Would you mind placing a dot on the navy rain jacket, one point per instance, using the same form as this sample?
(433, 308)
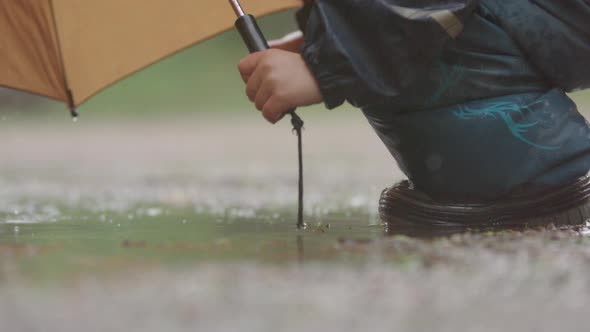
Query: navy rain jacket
(467, 95)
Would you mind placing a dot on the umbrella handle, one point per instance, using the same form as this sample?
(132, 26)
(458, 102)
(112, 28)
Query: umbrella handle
(255, 42)
(251, 33)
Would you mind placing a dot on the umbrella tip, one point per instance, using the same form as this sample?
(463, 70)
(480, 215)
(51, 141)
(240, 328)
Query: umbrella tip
(72, 105)
(74, 112)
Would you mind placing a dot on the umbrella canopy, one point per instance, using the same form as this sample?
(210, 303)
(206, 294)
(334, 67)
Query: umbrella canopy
(69, 50)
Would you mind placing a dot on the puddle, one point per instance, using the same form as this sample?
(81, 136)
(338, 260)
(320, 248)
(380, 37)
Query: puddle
(173, 236)
(86, 242)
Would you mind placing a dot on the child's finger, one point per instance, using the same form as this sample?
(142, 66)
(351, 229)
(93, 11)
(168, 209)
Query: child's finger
(263, 94)
(273, 110)
(247, 65)
(254, 83)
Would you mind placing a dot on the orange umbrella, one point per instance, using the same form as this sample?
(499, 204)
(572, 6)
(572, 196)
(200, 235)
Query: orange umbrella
(70, 50)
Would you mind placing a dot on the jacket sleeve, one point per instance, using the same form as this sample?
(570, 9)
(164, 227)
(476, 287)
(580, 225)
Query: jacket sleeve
(365, 51)
(555, 36)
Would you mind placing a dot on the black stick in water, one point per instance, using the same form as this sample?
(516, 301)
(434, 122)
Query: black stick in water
(255, 41)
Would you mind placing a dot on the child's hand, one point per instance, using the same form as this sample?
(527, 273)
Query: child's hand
(278, 81)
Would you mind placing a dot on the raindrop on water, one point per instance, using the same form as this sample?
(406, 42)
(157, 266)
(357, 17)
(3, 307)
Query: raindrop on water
(154, 212)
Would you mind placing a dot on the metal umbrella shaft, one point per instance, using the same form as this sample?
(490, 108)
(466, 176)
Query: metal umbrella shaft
(255, 41)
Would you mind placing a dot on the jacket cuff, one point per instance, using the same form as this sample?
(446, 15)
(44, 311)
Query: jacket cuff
(332, 72)
(329, 82)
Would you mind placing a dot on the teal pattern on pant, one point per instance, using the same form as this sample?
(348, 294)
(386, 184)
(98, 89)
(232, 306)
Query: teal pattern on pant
(506, 111)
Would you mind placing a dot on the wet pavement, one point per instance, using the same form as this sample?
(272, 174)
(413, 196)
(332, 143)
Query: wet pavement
(188, 223)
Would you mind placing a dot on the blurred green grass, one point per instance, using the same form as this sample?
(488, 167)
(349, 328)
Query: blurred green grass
(202, 78)
(582, 98)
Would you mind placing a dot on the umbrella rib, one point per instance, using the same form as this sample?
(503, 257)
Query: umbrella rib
(70, 96)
